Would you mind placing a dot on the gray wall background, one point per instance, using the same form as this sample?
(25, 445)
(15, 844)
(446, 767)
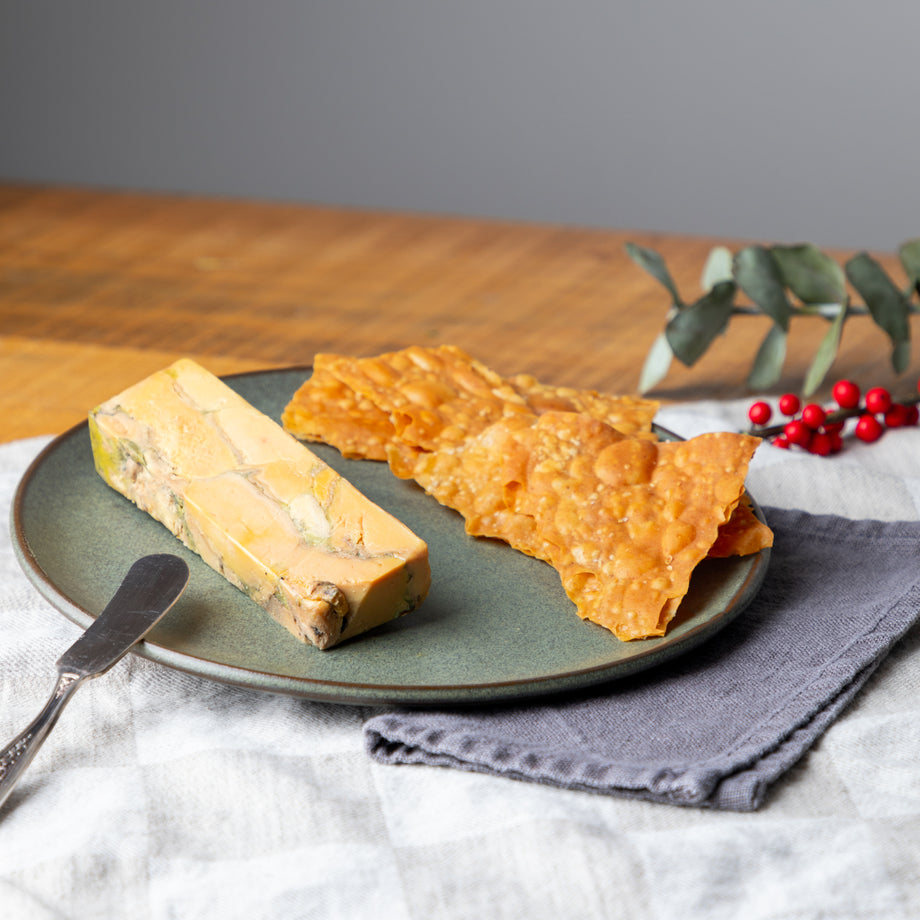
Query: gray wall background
(776, 121)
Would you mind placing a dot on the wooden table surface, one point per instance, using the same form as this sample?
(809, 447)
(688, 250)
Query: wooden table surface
(100, 288)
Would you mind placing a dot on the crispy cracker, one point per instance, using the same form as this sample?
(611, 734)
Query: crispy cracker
(429, 396)
(325, 409)
(422, 396)
(624, 521)
(466, 476)
(742, 535)
(628, 414)
(433, 396)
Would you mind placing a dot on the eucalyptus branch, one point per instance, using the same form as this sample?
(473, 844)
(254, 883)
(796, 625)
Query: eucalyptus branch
(826, 311)
(782, 283)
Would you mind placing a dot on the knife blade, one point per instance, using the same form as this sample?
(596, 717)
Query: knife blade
(151, 587)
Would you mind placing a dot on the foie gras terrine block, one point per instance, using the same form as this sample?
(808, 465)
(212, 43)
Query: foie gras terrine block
(258, 506)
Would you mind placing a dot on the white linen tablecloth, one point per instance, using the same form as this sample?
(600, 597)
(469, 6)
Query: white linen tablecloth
(162, 795)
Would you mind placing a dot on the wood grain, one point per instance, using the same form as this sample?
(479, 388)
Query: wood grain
(98, 288)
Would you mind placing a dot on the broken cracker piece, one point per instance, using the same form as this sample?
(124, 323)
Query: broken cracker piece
(742, 535)
(630, 415)
(431, 395)
(426, 396)
(625, 521)
(327, 410)
(466, 477)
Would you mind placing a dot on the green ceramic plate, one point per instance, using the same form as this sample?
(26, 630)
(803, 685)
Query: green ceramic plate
(496, 625)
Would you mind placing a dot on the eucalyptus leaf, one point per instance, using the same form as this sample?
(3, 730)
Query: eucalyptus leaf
(909, 254)
(718, 268)
(657, 364)
(885, 302)
(760, 278)
(815, 278)
(900, 357)
(768, 365)
(653, 263)
(691, 331)
(826, 353)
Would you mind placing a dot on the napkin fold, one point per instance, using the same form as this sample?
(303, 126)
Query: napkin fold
(719, 725)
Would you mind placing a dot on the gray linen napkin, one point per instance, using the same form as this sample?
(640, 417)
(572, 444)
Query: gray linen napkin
(717, 726)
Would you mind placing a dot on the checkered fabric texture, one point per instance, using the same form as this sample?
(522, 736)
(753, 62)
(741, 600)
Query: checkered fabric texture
(162, 795)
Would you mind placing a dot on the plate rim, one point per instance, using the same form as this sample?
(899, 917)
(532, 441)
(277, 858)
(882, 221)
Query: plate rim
(361, 693)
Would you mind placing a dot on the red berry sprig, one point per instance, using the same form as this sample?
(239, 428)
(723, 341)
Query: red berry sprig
(819, 430)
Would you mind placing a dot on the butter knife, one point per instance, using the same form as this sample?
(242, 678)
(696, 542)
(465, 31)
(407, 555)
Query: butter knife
(153, 584)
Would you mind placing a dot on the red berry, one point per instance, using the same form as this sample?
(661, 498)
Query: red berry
(834, 427)
(896, 416)
(836, 441)
(789, 404)
(797, 432)
(813, 416)
(878, 399)
(868, 429)
(781, 441)
(913, 415)
(846, 394)
(760, 413)
(821, 444)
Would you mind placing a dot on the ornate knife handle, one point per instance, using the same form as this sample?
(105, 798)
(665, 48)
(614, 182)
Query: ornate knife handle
(18, 754)
(153, 584)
